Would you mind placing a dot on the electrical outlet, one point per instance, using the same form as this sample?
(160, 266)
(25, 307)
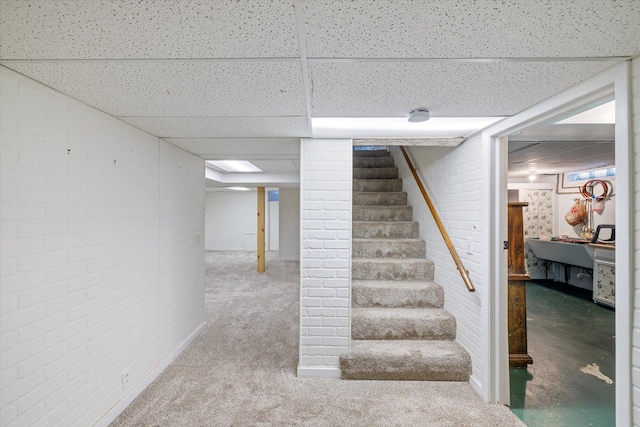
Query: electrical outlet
(125, 379)
(469, 245)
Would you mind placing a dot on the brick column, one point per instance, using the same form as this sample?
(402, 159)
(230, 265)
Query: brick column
(325, 255)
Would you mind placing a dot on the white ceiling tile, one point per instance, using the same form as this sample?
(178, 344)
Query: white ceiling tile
(240, 148)
(559, 168)
(447, 89)
(563, 152)
(280, 166)
(83, 29)
(558, 157)
(571, 132)
(177, 88)
(471, 29)
(230, 127)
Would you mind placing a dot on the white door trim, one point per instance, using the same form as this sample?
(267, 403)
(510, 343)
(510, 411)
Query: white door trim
(614, 81)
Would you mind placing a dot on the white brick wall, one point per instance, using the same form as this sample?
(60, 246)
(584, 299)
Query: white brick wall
(101, 267)
(325, 255)
(635, 356)
(453, 179)
(181, 269)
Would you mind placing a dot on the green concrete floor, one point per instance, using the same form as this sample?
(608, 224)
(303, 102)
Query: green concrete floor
(566, 332)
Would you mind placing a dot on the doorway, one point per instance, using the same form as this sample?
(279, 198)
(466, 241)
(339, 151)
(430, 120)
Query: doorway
(569, 337)
(611, 83)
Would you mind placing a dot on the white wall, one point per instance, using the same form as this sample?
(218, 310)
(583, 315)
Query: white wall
(101, 259)
(561, 205)
(454, 183)
(325, 262)
(289, 227)
(635, 84)
(273, 226)
(181, 258)
(564, 202)
(231, 223)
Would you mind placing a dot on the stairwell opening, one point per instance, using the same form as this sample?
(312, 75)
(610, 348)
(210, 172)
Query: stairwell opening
(399, 328)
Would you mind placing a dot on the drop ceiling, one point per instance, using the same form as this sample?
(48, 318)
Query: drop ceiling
(243, 79)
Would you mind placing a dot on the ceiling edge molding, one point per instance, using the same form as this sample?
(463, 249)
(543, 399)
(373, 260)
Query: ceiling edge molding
(423, 142)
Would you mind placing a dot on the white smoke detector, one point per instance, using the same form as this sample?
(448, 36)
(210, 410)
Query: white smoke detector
(419, 115)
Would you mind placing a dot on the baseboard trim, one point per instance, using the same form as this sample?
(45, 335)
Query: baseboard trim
(475, 385)
(117, 409)
(310, 372)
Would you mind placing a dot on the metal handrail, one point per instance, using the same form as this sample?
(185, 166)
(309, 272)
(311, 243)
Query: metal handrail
(454, 254)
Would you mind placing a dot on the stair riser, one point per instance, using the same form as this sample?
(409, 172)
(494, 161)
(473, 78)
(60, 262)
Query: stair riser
(379, 199)
(377, 185)
(439, 329)
(383, 230)
(409, 368)
(389, 249)
(371, 153)
(373, 162)
(397, 298)
(367, 270)
(375, 173)
(382, 213)
(429, 372)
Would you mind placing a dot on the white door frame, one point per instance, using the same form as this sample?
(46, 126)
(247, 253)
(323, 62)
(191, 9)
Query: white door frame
(614, 81)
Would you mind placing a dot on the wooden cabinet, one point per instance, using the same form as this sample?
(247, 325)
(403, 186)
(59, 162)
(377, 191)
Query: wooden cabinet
(517, 297)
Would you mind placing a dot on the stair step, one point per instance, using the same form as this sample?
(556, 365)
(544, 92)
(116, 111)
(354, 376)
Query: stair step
(379, 293)
(371, 153)
(373, 162)
(384, 229)
(391, 269)
(375, 173)
(390, 185)
(379, 198)
(389, 248)
(406, 360)
(382, 213)
(382, 323)
(399, 328)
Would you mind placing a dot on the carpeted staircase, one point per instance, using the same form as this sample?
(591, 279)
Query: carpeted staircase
(399, 329)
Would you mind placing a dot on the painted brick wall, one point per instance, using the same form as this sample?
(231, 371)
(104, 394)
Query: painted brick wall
(635, 119)
(101, 268)
(181, 247)
(453, 179)
(325, 255)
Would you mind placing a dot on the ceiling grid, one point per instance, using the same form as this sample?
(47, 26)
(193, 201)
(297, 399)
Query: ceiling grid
(206, 75)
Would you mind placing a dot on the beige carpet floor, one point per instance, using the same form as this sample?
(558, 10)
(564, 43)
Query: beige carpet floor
(241, 370)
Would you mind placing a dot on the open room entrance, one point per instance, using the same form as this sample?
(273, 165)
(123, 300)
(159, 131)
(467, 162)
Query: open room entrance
(561, 181)
(230, 219)
(614, 83)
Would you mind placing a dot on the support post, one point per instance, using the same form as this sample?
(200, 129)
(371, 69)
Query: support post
(261, 215)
